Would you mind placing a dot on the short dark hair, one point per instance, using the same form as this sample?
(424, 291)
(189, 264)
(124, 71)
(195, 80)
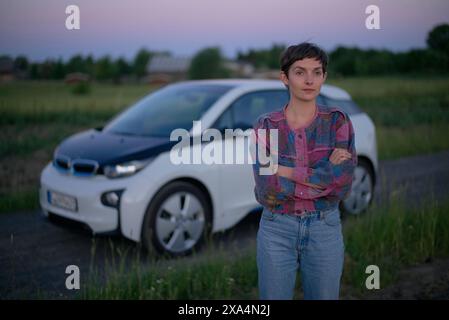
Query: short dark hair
(302, 51)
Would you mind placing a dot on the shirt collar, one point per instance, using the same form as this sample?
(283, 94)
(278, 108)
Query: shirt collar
(280, 114)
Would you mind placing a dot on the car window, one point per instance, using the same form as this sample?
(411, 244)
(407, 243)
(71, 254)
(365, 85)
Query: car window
(225, 121)
(347, 106)
(320, 100)
(175, 106)
(244, 111)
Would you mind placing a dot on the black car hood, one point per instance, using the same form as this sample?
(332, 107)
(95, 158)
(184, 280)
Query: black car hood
(110, 148)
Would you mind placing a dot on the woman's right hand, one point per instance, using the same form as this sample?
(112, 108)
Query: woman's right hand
(339, 155)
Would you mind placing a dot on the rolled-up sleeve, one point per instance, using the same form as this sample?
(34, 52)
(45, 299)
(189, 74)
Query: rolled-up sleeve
(266, 185)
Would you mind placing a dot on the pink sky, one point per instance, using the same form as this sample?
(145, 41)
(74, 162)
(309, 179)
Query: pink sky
(120, 28)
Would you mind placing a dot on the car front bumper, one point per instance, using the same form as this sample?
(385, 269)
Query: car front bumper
(87, 191)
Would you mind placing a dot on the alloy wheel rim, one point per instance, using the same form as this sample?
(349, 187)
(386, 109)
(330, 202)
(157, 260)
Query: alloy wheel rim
(180, 222)
(361, 191)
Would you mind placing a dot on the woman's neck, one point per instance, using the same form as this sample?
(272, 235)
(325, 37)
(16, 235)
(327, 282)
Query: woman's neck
(301, 109)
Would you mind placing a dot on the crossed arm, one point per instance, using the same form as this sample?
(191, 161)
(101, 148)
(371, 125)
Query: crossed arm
(328, 177)
(337, 157)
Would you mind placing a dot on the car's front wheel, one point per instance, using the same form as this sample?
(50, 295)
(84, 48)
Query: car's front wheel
(362, 190)
(178, 220)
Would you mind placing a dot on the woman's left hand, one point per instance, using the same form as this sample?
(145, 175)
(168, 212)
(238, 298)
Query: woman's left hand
(284, 171)
(287, 172)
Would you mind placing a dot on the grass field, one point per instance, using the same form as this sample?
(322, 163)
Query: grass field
(411, 117)
(390, 237)
(35, 117)
(411, 114)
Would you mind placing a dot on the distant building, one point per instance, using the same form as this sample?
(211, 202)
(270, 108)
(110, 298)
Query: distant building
(76, 77)
(165, 69)
(240, 69)
(6, 69)
(267, 74)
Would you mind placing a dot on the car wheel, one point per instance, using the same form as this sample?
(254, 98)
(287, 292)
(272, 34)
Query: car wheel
(177, 220)
(362, 191)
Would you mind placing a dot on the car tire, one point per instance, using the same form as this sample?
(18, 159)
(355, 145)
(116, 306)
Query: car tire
(362, 191)
(177, 221)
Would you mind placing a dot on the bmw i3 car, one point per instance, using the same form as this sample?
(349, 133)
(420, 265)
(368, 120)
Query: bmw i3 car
(121, 178)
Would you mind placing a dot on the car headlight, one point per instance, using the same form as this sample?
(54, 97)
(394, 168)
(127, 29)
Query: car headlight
(125, 169)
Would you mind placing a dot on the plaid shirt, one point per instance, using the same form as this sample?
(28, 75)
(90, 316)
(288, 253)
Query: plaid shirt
(307, 150)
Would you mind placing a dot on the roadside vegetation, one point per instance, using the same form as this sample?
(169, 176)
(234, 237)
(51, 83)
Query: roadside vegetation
(390, 237)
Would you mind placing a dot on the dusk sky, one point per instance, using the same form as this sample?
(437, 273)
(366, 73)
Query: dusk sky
(119, 28)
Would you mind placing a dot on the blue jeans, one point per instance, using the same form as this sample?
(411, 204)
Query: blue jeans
(313, 243)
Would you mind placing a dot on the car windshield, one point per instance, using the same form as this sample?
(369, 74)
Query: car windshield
(175, 106)
(347, 106)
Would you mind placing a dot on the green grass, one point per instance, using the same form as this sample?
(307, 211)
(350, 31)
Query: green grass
(211, 275)
(24, 139)
(49, 102)
(394, 238)
(397, 142)
(401, 102)
(411, 114)
(38, 115)
(411, 117)
(35, 117)
(19, 200)
(390, 237)
(396, 105)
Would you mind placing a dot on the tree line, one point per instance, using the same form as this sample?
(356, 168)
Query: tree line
(353, 61)
(104, 68)
(208, 62)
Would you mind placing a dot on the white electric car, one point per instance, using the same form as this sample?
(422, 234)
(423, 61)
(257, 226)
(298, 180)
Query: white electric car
(120, 178)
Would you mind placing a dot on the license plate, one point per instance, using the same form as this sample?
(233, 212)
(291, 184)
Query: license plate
(62, 201)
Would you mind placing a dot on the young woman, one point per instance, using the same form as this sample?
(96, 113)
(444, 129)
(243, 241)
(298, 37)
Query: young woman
(300, 226)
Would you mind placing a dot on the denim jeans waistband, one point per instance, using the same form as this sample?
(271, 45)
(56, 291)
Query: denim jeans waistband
(308, 213)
